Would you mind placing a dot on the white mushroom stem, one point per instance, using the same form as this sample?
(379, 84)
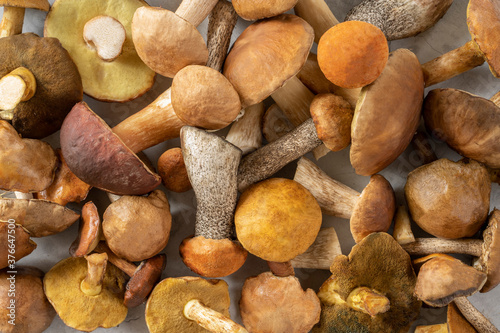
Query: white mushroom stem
(209, 319)
(321, 253)
(16, 87)
(275, 124)
(317, 14)
(106, 35)
(221, 22)
(476, 318)
(91, 285)
(402, 227)
(438, 328)
(195, 11)
(12, 21)
(246, 133)
(426, 246)
(22, 195)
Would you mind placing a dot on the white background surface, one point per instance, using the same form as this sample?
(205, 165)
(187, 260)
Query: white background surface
(449, 33)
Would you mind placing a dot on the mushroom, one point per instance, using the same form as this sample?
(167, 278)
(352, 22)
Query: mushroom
(89, 233)
(172, 171)
(449, 199)
(476, 318)
(455, 322)
(86, 293)
(317, 14)
(483, 19)
(321, 253)
(246, 132)
(15, 244)
(275, 124)
(371, 290)
(119, 80)
(184, 304)
(28, 311)
(212, 163)
(252, 10)
(13, 15)
(402, 227)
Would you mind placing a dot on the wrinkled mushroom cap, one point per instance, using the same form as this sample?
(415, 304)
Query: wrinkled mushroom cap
(251, 10)
(34, 314)
(387, 114)
(278, 304)
(58, 82)
(35, 4)
(449, 199)
(377, 262)
(173, 172)
(266, 55)
(489, 261)
(277, 219)
(121, 80)
(456, 321)
(76, 309)
(23, 244)
(164, 309)
(146, 275)
(468, 123)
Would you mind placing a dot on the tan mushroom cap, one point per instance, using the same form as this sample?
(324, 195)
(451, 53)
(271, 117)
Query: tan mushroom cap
(203, 97)
(78, 310)
(23, 245)
(277, 219)
(251, 10)
(456, 321)
(212, 257)
(278, 304)
(489, 261)
(164, 309)
(137, 228)
(387, 114)
(173, 172)
(267, 54)
(468, 123)
(35, 4)
(166, 42)
(449, 199)
(374, 209)
(483, 20)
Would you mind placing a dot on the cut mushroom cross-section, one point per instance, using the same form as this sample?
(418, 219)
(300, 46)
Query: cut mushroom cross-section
(106, 35)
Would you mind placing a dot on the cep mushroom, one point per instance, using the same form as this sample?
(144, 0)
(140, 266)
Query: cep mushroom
(172, 171)
(13, 15)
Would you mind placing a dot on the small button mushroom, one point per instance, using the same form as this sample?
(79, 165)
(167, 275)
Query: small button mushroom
(15, 243)
(106, 35)
(246, 131)
(33, 312)
(252, 10)
(13, 15)
(172, 171)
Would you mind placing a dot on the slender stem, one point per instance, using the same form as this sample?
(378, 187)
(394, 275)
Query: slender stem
(476, 318)
(12, 21)
(195, 11)
(402, 227)
(281, 269)
(426, 246)
(246, 133)
(209, 319)
(294, 100)
(91, 285)
(317, 14)
(126, 266)
(221, 22)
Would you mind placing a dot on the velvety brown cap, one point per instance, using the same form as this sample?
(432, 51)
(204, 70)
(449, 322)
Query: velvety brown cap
(212, 257)
(172, 171)
(489, 261)
(23, 243)
(36, 4)
(144, 279)
(251, 10)
(266, 55)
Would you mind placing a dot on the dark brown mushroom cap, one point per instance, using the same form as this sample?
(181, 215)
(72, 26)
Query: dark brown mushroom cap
(374, 209)
(387, 114)
(33, 312)
(99, 158)
(483, 20)
(469, 124)
(377, 262)
(456, 321)
(58, 81)
(35, 4)
(489, 261)
(251, 10)
(278, 304)
(14, 240)
(267, 54)
(449, 199)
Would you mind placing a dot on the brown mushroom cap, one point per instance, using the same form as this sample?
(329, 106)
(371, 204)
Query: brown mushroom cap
(89, 233)
(35, 4)
(449, 199)
(489, 262)
(164, 309)
(277, 219)
(374, 209)
(266, 55)
(16, 243)
(377, 262)
(59, 85)
(172, 171)
(483, 20)
(203, 97)
(137, 228)
(99, 158)
(468, 123)
(278, 304)
(457, 323)
(387, 114)
(252, 10)
(33, 312)
(78, 310)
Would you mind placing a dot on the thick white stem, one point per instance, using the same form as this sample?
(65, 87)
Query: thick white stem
(402, 227)
(317, 14)
(210, 319)
(321, 253)
(195, 11)
(246, 133)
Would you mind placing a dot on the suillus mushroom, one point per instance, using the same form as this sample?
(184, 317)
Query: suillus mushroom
(172, 171)
(13, 15)
(476, 318)
(28, 311)
(115, 78)
(449, 199)
(212, 164)
(16, 243)
(246, 132)
(252, 10)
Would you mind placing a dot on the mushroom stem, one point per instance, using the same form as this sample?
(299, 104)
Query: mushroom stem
(221, 22)
(425, 246)
(402, 227)
(12, 21)
(91, 285)
(321, 253)
(317, 14)
(476, 318)
(15, 87)
(461, 59)
(195, 11)
(210, 319)
(22, 195)
(124, 265)
(246, 133)
(275, 124)
(368, 301)
(281, 269)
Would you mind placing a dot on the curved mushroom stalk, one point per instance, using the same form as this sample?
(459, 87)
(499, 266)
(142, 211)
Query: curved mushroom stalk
(317, 14)
(221, 22)
(13, 15)
(476, 318)
(209, 319)
(91, 285)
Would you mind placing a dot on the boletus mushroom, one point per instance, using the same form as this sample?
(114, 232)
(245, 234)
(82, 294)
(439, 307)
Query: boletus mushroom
(252, 10)
(172, 171)
(13, 14)
(16, 243)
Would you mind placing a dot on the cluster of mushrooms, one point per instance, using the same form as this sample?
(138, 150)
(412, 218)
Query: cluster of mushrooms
(238, 119)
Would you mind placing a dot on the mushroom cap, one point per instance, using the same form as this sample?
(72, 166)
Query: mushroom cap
(88, 233)
(35, 4)
(374, 209)
(137, 228)
(277, 219)
(34, 314)
(252, 10)
(377, 262)
(59, 85)
(278, 304)
(173, 172)
(352, 54)
(164, 309)
(266, 55)
(121, 80)
(167, 42)
(203, 97)
(23, 243)
(27, 165)
(387, 114)
(456, 321)
(212, 257)
(443, 278)
(489, 261)
(483, 20)
(468, 123)
(99, 158)
(78, 310)
(449, 199)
